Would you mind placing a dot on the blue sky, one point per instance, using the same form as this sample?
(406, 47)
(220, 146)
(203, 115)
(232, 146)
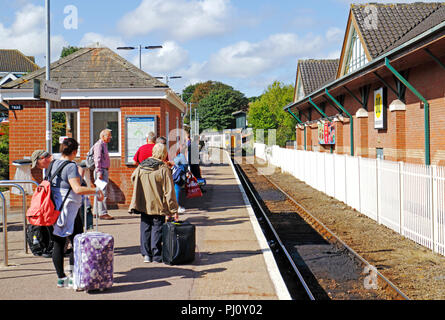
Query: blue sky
(247, 44)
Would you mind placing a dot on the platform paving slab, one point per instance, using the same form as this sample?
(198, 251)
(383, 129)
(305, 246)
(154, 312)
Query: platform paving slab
(229, 264)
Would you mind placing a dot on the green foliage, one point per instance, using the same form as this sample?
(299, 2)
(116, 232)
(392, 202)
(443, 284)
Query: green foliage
(4, 152)
(216, 108)
(188, 92)
(267, 112)
(215, 102)
(66, 51)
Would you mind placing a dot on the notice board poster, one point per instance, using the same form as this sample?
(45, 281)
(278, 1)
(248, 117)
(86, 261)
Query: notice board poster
(136, 131)
(380, 108)
(326, 132)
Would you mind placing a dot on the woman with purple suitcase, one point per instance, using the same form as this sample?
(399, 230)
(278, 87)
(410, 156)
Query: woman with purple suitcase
(67, 194)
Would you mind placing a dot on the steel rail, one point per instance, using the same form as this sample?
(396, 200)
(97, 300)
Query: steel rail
(331, 237)
(283, 248)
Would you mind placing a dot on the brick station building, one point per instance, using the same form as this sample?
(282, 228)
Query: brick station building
(384, 96)
(99, 89)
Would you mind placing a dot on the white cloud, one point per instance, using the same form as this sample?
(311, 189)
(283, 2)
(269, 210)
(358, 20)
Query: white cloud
(92, 39)
(335, 34)
(179, 19)
(163, 61)
(246, 59)
(28, 34)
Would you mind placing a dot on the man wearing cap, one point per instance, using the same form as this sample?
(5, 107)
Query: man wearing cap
(41, 159)
(102, 164)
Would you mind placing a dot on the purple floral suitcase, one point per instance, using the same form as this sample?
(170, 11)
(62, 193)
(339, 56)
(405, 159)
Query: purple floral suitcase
(93, 261)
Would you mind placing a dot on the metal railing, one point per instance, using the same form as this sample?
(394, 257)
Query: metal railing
(14, 183)
(5, 233)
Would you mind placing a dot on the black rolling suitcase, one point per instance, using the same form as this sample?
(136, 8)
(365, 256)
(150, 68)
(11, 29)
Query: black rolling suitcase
(178, 242)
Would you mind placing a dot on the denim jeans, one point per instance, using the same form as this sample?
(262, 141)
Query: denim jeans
(177, 191)
(151, 236)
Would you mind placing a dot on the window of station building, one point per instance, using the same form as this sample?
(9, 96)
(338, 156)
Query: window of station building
(300, 91)
(356, 56)
(106, 119)
(65, 123)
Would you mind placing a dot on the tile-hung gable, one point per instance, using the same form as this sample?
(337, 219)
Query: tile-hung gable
(313, 74)
(374, 29)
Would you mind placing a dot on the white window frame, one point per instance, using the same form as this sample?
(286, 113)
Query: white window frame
(57, 155)
(356, 56)
(300, 89)
(118, 110)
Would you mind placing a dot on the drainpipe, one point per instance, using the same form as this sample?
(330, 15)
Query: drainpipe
(300, 122)
(351, 120)
(426, 108)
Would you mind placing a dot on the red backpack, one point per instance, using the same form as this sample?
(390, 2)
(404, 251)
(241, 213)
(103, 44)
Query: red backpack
(42, 211)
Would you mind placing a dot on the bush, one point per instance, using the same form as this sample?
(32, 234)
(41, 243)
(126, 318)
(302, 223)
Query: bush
(4, 151)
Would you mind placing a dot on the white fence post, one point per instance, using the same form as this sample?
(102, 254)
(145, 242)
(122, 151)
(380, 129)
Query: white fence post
(401, 185)
(434, 206)
(377, 189)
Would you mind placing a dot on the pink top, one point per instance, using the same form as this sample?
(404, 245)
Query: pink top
(101, 157)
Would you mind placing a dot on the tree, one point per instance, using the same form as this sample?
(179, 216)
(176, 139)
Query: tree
(4, 151)
(215, 102)
(188, 92)
(216, 108)
(66, 51)
(267, 112)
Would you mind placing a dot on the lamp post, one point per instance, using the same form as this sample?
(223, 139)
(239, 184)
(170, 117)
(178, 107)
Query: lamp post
(48, 135)
(140, 47)
(167, 78)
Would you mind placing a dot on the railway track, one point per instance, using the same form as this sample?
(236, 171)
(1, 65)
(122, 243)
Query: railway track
(315, 263)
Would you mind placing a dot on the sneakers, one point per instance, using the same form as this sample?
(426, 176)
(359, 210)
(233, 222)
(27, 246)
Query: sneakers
(181, 209)
(62, 282)
(66, 282)
(147, 259)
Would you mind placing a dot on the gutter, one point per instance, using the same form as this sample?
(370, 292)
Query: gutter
(378, 60)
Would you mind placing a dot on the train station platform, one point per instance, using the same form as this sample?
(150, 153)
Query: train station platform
(233, 261)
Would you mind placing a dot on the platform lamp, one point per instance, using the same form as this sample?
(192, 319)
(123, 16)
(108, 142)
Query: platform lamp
(167, 78)
(140, 47)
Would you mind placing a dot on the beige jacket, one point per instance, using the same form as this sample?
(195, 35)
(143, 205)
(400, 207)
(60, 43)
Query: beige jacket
(153, 189)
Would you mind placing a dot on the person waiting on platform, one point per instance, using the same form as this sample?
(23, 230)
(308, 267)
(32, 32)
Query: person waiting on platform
(163, 140)
(193, 157)
(145, 151)
(102, 165)
(181, 162)
(154, 199)
(67, 185)
(41, 159)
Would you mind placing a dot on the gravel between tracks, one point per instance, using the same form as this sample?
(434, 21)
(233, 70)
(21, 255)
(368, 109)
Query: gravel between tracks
(414, 269)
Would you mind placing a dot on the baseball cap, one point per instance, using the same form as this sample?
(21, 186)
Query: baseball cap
(36, 155)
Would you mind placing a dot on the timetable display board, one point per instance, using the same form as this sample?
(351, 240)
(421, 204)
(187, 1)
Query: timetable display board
(136, 131)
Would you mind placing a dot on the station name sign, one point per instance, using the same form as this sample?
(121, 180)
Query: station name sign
(47, 90)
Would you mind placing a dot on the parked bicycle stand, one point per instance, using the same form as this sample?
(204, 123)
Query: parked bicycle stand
(14, 183)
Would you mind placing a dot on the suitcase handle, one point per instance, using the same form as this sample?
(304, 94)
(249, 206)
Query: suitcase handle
(85, 212)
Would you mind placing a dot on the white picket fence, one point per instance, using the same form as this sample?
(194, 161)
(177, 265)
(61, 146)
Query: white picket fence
(407, 198)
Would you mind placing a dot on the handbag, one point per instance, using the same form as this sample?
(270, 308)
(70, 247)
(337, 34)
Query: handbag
(192, 188)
